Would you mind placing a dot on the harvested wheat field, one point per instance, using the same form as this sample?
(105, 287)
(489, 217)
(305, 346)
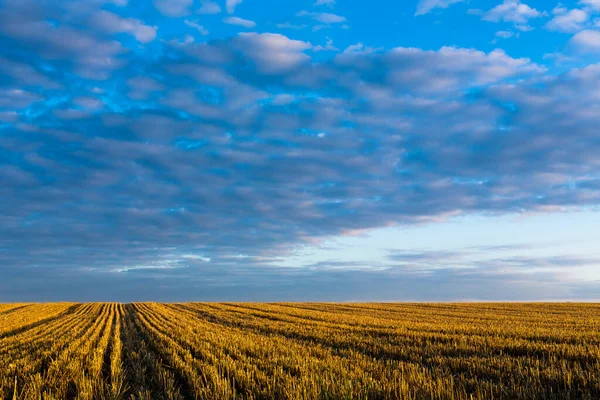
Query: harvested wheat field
(299, 351)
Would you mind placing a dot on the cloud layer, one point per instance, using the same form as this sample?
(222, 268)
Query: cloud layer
(127, 156)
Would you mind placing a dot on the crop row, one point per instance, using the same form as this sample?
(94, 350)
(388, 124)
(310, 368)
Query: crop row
(299, 351)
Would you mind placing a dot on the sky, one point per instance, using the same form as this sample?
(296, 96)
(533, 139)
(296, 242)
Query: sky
(322, 150)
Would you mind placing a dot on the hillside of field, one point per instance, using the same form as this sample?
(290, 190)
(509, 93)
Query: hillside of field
(299, 351)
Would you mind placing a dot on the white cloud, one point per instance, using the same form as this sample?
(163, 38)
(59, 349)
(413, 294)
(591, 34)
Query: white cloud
(524, 27)
(354, 47)
(595, 4)
(17, 98)
(587, 41)
(25, 74)
(195, 257)
(272, 52)
(324, 18)
(246, 23)
(8, 116)
(209, 7)
(287, 25)
(113, 23)
(442, 71)
(329, 3)
(359, 48)
(89, 103)
(475, 11)
(506, 34)
(328, 46)
(567, 20)
(196, 26)
(512, 11)
(173, 8)
(144, 83)
(283, 99)
(231, 4)
(426, 6)
(558, 57)
(157, 266)
(141, 87)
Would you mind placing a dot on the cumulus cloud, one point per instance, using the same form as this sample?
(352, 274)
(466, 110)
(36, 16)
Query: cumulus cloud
(559, 57)
(25, 22)
(595, 4)
(506, 34)
(587, 41)
(240, 22)
(209, 7)
(113, 23)
(449, 68)
(329, 3)
(25, 74)
(569, 21)
(173, 8)
(513, 11)
(328, 46)
(231, 5)
(297, 194)
(426, 6)
(288, 25)
(17, 98)
(272, 52)
(89, 103)
(324, 18)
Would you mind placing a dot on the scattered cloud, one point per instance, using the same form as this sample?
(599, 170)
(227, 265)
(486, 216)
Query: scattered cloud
(113, 23)
(273, 53)
(513, 11)
(507, 34)
(231, 5)
(569, 21)
(173, 8)
(358, 47)
(25, 74)
(475, 11)
(329, 3)
(94, 57)
(142, 87)
(288, 25)
(594, 4)
(426, 6)
(324, 18)
(197, 26)
(209, 7)
(283, 99)
(559, 57)
(587, 41)
(17, 98)
(328, 46)
(246, 23)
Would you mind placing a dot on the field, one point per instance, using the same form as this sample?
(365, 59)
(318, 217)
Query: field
(299, 351)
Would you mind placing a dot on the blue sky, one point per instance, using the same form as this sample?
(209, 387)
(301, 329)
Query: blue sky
(299, 150)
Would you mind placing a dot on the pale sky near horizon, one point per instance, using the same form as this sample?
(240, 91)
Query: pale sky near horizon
(313, 150)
